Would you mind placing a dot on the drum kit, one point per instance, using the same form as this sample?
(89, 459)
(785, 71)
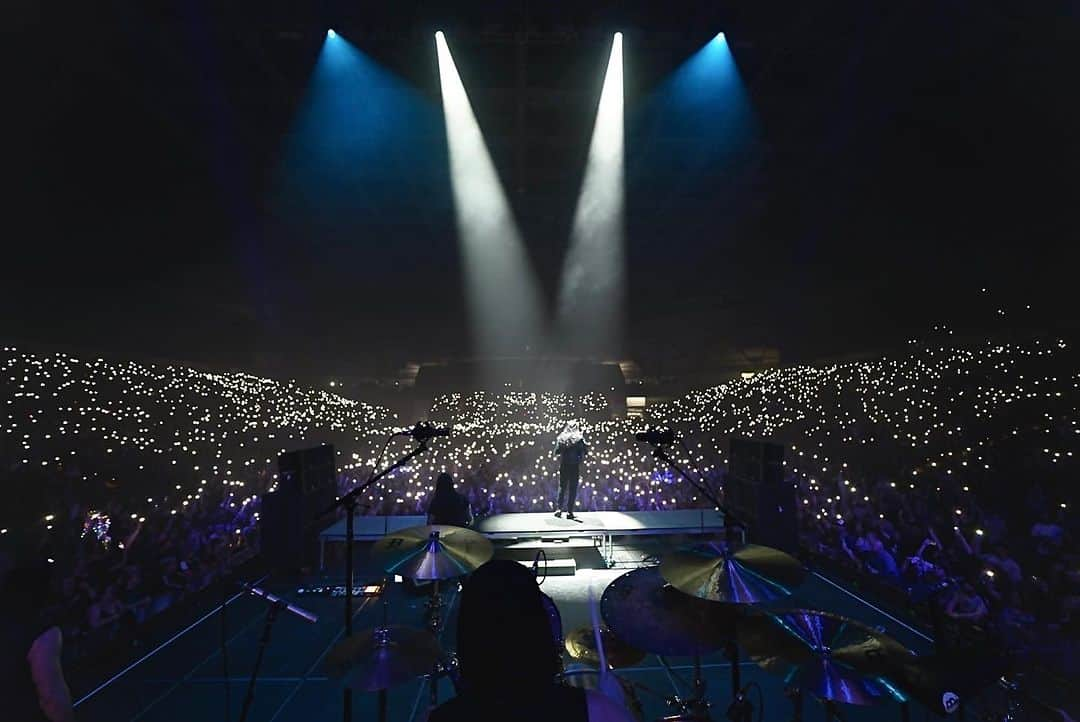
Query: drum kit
(697, 601)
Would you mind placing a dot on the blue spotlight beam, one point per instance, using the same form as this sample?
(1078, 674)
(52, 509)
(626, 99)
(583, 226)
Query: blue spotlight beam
(694, 122)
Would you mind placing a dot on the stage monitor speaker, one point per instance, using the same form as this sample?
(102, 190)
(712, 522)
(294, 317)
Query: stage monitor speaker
(291, 517)
(755, 490)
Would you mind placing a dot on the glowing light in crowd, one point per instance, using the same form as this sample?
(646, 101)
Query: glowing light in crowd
(501, 290)
(168, 438)
(592, 292)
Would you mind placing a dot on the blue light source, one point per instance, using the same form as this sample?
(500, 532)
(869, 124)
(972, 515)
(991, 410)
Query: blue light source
(361, 141)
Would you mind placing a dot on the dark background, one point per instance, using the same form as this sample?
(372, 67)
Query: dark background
(904, 156)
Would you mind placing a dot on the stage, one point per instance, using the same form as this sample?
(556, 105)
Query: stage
(184, 675)
(601, 526)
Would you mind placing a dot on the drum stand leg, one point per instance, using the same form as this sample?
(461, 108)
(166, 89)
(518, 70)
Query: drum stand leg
(733, 658)
(795, 695)
(832, 710)
(434, 622)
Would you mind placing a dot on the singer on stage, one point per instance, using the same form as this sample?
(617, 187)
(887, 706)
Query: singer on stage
(571, 448)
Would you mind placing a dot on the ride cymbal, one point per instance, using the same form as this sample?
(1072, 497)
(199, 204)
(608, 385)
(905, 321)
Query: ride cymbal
(647, 613)
(745, 574)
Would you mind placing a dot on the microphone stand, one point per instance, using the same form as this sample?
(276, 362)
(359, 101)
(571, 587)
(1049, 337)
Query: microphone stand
(349, 504)
(731, 536)
(275, 606)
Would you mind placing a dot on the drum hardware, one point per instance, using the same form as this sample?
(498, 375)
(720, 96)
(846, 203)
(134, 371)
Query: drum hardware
(349, 503)
(832, 657)
(275, 606)
(587, 678)
(795, 696)
(1014, 707)
(383, 657)
(580, 645)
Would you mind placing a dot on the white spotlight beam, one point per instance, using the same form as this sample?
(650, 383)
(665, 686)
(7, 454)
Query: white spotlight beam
(502, 291)
(592, 289)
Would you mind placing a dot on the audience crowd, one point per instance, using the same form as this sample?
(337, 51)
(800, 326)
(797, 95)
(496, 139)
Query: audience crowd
(943, 476)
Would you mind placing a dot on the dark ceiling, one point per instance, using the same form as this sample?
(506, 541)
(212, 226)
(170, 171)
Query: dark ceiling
(907, 155)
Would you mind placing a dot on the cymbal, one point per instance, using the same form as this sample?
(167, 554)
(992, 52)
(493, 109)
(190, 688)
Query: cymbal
(439, 551)
(648, 613)
(827, 655)
(581, 646)
(744, 574)
(383, 657)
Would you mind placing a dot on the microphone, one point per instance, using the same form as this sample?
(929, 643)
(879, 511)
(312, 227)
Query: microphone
(284, 604)
(424, 430)
(657, 437)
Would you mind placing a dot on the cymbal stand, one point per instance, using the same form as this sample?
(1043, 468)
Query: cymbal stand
(382, 634)
(795, 694)
(434, 623)
(264, 640)
(832, 710)
(695, 704)
(349, 504)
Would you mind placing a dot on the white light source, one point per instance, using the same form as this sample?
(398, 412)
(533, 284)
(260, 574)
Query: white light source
(502, 293)
(592, 290)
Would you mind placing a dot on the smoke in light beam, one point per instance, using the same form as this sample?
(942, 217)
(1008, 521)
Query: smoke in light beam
(592, 291)
(501, 289)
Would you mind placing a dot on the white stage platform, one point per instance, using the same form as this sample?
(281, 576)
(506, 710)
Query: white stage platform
(602, 526)
(599, 523)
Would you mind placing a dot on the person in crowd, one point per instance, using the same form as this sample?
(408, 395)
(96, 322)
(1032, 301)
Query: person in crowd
(447, 505)
(571, 450)
(875, 556)
(966, 604)
(509, 657)
(1004, 564)
(32, 683)
(924, 566)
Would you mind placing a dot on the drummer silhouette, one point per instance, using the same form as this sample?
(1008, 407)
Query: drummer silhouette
(509, 658)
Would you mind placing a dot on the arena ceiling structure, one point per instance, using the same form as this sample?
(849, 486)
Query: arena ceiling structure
(195, 182)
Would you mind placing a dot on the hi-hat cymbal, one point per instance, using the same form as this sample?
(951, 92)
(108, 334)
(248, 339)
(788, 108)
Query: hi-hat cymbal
(581, 646)
(827, 655)
(648, 613)
(439, 551)
(383, 657)
(744, 574)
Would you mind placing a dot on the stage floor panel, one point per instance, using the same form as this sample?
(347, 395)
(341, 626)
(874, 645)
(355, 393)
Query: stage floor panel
(602, 523)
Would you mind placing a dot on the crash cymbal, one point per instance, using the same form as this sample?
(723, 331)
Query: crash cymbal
(439, 551)
(581, 646)
(383, 657)
(744, 574)
(826, 655)
(648, 613)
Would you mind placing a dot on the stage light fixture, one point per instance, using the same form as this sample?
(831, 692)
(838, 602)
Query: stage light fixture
(331, 34)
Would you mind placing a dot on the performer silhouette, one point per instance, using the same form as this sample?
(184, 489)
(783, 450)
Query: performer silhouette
(571, 448)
